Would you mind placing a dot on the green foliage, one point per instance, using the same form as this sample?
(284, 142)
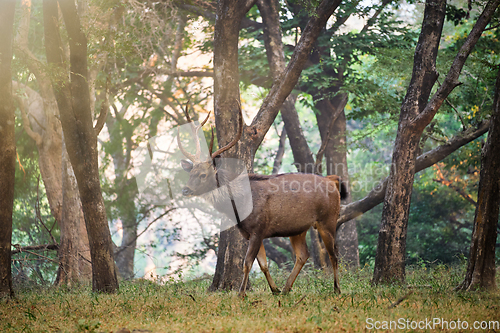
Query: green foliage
(455, 14)
(440, 223)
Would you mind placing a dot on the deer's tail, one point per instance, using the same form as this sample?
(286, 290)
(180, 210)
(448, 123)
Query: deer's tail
(340, 185)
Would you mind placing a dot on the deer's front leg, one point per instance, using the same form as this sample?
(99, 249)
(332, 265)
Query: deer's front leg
(253, 249)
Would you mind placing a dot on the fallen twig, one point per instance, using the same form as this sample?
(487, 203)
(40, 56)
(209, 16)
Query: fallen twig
(393, 305)
(300, 300)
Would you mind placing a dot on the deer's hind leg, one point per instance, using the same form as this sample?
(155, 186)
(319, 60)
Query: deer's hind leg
(328, 238)
(262, 259)
(301, 254)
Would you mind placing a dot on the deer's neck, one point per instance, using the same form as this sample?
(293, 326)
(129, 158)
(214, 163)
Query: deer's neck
(229, 187)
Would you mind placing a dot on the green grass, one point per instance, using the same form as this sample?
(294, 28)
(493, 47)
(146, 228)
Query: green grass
(310, 307)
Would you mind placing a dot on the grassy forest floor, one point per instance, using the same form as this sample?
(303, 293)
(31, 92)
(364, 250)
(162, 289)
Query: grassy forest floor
(311, 306)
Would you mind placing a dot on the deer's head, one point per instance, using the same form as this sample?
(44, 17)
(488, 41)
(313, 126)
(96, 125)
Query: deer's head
(203, 174)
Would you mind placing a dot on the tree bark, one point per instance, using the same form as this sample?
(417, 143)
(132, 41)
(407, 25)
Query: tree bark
(73, 99)
(416, 114)
(481, 262)
(303, 157)
(7, 146)
(41, 121)
(391, 249)
(74, 251)
(232, 246)
(336, 164)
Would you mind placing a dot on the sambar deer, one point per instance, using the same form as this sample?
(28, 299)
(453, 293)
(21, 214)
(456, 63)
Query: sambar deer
(284, 205)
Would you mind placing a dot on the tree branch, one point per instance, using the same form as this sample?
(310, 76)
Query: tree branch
(321, 151)
(281, 89)
(451, 80)
(20, 249)
(456, 189)
(101, 120)
(376, 196)
(372, 19)
(26, 122)
(281, 151)
(245, 22)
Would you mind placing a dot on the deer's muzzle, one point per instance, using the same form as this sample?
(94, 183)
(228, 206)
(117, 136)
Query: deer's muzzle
(187, 192)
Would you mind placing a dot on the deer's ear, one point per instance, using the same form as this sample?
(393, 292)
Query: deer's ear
(187, 165)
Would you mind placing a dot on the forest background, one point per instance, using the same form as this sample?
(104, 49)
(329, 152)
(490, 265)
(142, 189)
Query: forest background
(148, 60)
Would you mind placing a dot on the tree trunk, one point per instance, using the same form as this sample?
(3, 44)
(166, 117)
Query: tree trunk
(230, 258)
(391, 249)
(73, 99)
(127, 192)
(7, 146)
(41, 122)
(303, 158)
(481, 263)
(232, 245)
(125, 257)
(74, 252)
(336, 164)
(416, 113)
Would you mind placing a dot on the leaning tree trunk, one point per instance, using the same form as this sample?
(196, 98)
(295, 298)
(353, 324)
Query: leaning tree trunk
(73, 99)
(391, 249)
(481, 263)
(303, 157)
(416, 113)
(7, 146)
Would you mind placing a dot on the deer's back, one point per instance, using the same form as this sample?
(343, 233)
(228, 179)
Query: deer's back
(288, 204)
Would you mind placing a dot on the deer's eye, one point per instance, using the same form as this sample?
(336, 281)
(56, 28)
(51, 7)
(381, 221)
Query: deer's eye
(203, 176)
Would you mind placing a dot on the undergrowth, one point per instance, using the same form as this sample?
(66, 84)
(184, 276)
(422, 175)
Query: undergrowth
(312, 306)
